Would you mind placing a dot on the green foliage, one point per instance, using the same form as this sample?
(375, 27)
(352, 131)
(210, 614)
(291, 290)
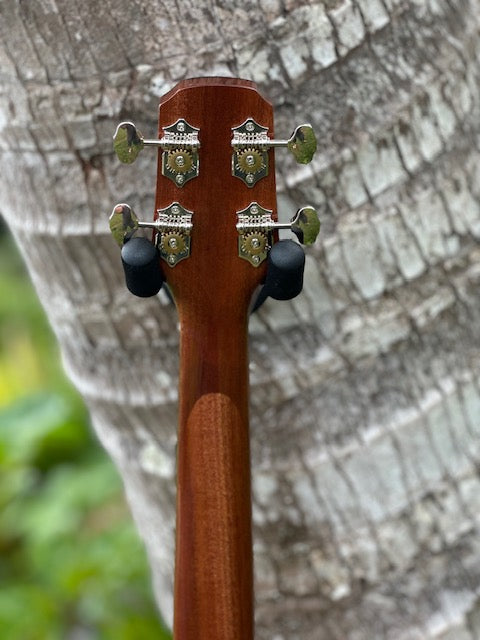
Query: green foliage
(71, 563)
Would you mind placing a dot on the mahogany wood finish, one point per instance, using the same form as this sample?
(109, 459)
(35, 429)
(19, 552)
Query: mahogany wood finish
(213, 290)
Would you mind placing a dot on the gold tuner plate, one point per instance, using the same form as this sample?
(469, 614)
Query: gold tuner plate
(254, 224)
(249, 158)
(180, 152)
(174, 225)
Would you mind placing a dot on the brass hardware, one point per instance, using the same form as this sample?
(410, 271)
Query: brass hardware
(250, 144)
(180, 152)
(173, 226)
(249, 159)
(255, 225)
(179, 144)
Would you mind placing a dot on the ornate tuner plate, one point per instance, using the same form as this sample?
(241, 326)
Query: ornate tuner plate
(180, 152)
(174, 224)
(249, 160)
(254, 224)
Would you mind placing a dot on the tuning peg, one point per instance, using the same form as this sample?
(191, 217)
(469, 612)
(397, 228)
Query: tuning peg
(302, 144)
(254, 225)
(305, 224)
(173, 226)
(124, 223)
(128, 142)
(140, 257)
(250, 144)
(179, 145)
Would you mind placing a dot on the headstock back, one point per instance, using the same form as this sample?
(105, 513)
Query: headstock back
(215, 215)
(214, 278)
(214, 242)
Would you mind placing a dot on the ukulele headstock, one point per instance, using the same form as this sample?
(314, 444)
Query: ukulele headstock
(215, 218)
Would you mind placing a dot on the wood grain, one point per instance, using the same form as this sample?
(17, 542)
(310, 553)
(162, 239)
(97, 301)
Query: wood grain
(212, 290)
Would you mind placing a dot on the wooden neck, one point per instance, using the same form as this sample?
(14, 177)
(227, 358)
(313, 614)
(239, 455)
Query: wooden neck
(215, 209)
(213, 289)
(213, 573)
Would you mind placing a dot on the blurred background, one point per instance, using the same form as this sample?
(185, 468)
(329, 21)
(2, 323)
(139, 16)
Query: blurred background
(71, 564)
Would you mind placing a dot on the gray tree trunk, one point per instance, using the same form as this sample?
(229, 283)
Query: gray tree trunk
(365, 389)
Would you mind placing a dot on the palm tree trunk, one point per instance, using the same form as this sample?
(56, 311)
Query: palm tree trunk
(365, 398)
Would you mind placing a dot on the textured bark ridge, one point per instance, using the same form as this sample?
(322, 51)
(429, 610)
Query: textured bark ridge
(365, 398)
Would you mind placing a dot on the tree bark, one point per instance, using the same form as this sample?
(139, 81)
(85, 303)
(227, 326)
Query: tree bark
(365, 403)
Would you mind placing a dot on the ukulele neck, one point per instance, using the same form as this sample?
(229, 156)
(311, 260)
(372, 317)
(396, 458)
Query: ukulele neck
(214, 243)
(213, 576)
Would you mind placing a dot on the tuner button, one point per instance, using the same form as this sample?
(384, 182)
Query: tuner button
(141, 264)
(305, 224)
(302, 144)
(123, 223)
(127, 142)
(286, 262)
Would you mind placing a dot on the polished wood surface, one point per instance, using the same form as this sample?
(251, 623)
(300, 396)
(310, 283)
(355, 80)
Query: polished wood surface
(213, 290)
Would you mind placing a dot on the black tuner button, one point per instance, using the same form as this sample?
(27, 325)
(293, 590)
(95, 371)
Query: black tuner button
(141, 264)
(285, 266)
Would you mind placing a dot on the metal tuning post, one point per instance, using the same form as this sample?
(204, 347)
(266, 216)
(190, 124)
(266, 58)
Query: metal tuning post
(179, 144)
(255, 225)
(173, 227)
(251, 143)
